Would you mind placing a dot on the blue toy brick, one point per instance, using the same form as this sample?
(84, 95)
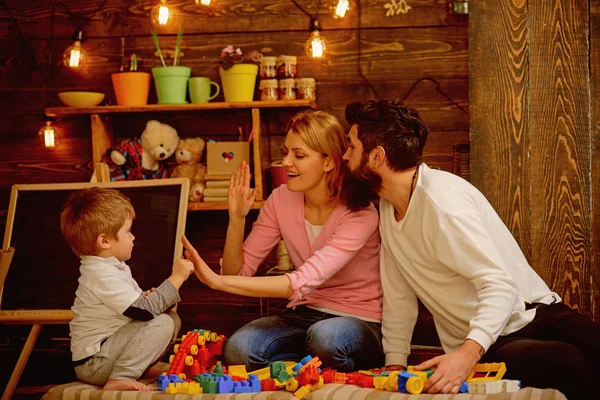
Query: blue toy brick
(254, 383)
(224, 384)
(464, 388)
(402, 378)
(241, 387)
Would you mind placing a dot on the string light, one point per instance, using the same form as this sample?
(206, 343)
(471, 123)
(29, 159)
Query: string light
(74, 55)
(48, 135)
(203, 2)
(340, 10)
(161, 15)
(316, 45)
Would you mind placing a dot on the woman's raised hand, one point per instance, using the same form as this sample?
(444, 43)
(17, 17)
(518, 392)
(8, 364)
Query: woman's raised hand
(240, 197)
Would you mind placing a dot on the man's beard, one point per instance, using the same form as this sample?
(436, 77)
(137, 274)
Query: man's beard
(360, 187)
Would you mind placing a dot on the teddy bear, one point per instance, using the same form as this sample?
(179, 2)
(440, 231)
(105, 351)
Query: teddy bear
(143, 157)
(188, 156)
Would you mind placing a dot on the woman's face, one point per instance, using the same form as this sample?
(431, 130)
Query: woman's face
(305, 167)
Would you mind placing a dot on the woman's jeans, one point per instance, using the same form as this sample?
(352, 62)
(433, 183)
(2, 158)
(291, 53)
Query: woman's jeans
(342, 343)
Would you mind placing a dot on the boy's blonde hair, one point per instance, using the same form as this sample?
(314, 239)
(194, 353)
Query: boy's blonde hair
(88, 213)
(323, 133)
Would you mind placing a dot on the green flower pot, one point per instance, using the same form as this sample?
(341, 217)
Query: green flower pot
(171, 84)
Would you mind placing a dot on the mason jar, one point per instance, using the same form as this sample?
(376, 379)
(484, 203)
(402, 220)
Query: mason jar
(286, 67)
(287, 89)
(307, 88)
(268, 89)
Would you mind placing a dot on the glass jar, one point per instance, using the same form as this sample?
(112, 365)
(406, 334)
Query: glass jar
(268, 68)
(307, 88)
(286, 67)
(268, 89)
(287, 89)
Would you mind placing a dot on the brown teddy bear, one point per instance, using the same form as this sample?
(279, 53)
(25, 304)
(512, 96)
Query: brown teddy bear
(188, 156)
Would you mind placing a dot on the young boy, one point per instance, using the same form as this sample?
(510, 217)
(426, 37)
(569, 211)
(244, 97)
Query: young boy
(117, 331)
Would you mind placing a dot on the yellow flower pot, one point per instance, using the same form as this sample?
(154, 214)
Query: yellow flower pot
(238, 82)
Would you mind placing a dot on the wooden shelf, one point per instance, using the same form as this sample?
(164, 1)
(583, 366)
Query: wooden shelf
(60, 111)
(102, 133)
(218, 206)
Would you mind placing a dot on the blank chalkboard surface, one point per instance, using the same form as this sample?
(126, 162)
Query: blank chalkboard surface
(44, 270)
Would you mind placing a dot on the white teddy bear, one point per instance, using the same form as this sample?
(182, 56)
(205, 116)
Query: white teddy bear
(142, 158)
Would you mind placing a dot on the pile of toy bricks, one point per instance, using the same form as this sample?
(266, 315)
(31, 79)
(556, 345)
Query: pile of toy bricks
(197, 357)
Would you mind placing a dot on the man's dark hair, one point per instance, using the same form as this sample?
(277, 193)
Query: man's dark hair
(386, 123)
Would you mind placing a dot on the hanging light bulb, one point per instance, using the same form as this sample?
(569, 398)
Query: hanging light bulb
(48, 135)
(316, 45)
(74, 55)
(203, 2)
(161, 15)
(340, 10)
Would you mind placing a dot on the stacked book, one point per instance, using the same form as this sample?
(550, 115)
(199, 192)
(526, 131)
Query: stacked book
(216, 188)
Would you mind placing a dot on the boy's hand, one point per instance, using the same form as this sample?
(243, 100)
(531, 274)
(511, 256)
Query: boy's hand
(202, 270)
(182, 269)
(147, 292)
(240, 197)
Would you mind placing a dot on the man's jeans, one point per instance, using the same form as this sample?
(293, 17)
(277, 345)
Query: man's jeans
(342, 343)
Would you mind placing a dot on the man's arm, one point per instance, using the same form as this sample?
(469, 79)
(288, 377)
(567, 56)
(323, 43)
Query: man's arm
(463, 244)
(400, 312)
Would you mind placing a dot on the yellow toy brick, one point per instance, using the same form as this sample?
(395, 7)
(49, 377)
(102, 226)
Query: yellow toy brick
(171, 389)
(420, 374)
(320, 384)
(487, 372)
(238, 370)
(262, 374)
(291, 385)
(379, 382)
(391, 383)
(303, 391)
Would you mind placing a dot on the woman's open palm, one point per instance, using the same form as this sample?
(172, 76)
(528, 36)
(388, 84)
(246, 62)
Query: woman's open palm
(240, 197)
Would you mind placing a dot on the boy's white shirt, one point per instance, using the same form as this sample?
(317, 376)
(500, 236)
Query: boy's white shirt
(459, 258)
(106, 289)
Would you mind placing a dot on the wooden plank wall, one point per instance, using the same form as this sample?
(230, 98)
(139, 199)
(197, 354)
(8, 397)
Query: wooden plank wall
(595, 132)
(398, 50)
(531, 134)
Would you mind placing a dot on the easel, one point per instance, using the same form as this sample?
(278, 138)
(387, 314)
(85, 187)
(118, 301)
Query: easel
(37, 318)
(178, 191)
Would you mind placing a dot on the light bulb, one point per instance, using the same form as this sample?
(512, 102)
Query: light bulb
(203, 2)
(316, 46)
(47, 135)
(74, 56)
(161, 15)
(340, 10)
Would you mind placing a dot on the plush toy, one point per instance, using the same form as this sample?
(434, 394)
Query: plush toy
(142, 158)
(188, 156)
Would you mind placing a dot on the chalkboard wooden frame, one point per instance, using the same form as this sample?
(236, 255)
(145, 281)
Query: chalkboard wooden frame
(146, 196)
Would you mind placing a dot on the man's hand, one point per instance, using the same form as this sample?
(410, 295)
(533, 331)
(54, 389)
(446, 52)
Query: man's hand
(451, 370)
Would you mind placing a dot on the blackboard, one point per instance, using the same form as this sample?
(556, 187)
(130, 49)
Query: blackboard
(44, 270)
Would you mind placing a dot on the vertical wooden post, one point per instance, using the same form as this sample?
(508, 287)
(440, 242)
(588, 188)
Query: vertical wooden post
(256, 140)
(531, 133)
(102, 136)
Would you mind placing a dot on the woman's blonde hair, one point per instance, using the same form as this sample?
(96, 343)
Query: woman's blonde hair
(323, 133)
(88, 213)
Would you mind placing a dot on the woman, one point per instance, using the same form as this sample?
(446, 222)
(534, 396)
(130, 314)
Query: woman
(335, 293)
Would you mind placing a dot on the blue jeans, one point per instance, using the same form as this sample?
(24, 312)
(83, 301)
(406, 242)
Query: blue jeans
(342, 343)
